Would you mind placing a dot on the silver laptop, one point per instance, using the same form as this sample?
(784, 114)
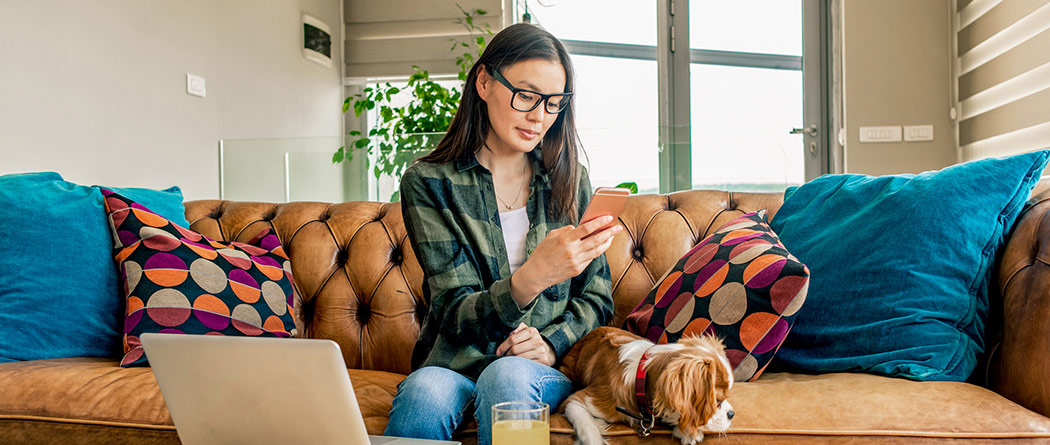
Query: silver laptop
(250, 390)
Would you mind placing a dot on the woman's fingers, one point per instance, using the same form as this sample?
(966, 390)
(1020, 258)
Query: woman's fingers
(523, 341)
(511, 339)
(602, 237)
(590, 226)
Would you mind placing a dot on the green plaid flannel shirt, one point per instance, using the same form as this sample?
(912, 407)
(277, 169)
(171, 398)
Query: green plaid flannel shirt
(453, 223)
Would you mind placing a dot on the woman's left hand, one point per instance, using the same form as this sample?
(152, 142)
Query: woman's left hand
(526, 342)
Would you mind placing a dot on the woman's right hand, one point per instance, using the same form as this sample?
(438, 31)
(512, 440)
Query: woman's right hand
(564, 253)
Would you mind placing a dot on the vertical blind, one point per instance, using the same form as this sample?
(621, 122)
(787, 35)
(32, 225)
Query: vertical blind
(1002, 69)
(385, 38)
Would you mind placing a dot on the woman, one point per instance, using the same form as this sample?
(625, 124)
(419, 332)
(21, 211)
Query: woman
(491, 215)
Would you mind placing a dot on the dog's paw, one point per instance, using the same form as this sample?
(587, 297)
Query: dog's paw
(687, 440)
(589, 439)
(588, 428)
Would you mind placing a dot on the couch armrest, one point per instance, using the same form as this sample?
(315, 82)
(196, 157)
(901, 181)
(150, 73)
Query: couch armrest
(1020, 365)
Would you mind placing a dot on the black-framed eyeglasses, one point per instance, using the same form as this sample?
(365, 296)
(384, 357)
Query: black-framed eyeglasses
(527, 100)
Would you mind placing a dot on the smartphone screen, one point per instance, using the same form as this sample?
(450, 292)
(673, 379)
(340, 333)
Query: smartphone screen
(606, 201)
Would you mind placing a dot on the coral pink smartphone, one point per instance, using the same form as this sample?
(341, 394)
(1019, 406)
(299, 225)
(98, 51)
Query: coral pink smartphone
(606, 201)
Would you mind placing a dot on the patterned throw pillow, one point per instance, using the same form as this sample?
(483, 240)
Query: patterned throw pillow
(179, 281)
(739, 284)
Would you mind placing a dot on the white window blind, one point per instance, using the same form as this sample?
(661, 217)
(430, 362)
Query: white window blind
(385, 38)
(1003, 76)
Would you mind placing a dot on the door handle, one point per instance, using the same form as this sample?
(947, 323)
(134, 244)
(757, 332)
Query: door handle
(811, 130)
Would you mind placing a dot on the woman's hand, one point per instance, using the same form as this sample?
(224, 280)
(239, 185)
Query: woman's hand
(564, 253)
(526, 342)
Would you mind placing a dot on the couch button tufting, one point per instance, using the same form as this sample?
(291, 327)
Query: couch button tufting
(637, 253)
(363, 313)
(396, 256)
(341, 257)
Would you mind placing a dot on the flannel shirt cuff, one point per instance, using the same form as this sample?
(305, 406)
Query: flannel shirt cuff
(557, 339)
(507, 309)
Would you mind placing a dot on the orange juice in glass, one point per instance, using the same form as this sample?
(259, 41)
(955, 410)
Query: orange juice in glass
(521, 423)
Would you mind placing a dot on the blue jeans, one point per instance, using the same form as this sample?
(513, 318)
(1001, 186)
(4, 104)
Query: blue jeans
(432, 401)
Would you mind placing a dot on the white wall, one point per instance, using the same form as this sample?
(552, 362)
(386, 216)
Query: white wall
(96, 90)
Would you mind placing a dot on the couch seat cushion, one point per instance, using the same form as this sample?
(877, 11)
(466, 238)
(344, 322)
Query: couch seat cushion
(93, 392)
(854, 406)
(870, 405)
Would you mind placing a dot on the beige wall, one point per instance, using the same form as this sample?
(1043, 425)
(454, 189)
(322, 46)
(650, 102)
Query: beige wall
(96, 90)
(896, 72)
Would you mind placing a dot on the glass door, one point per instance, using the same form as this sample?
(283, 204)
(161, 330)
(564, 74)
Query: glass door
(613, 49)
(746, 94)
(750, 116)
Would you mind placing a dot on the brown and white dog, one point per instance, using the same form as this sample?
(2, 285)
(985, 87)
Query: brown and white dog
(683, 384)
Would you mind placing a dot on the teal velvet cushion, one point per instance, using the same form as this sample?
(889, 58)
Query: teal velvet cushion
(901, 266)
(59, 288)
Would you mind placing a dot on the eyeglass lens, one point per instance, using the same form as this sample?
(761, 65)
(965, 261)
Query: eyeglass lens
(526, 101)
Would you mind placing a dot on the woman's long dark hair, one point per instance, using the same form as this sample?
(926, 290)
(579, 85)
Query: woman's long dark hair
(560, 146)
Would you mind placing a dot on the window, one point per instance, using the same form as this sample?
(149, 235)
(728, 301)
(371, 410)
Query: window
(615, 101)
(745, 91)
(746, 94)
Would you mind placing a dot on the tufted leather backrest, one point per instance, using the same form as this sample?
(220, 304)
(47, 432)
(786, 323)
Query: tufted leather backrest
(358, 281)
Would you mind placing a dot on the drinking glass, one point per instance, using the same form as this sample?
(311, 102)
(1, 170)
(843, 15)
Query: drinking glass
(521, 423)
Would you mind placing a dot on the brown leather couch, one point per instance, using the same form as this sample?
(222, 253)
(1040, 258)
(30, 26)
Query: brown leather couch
(360, 285)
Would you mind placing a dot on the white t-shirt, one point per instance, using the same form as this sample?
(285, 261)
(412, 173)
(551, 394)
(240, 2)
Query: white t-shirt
(515, 227)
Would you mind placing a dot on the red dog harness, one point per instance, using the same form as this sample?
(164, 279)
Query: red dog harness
(645, 415)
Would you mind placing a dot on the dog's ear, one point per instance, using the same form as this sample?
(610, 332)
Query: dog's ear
(686, 388)
(706, 391)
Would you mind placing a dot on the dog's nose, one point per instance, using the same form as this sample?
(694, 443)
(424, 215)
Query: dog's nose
(730, 414)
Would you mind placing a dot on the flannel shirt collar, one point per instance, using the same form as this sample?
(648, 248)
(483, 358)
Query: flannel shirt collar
(469, 161)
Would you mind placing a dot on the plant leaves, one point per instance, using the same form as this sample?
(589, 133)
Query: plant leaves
(338, 156)
(632, 186)
(400, 134)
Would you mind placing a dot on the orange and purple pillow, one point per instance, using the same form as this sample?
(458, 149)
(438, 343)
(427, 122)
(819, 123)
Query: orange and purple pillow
(739, 284)
(178, 281)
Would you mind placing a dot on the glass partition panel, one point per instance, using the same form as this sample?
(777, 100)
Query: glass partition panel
(288, 169)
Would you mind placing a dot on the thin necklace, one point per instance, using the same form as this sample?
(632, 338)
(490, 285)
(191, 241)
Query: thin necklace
(524, 176)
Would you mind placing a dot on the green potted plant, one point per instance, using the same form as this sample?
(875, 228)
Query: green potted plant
(401, 134)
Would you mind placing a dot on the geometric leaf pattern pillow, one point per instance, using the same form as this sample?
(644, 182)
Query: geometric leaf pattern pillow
(179, 281)
(739, 284)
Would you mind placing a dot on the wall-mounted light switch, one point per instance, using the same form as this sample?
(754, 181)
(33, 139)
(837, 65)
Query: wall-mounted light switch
(880, 134)
(914, 133)
(195, 85)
